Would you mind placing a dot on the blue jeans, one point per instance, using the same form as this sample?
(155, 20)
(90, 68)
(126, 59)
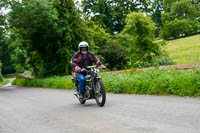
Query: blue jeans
(81, 82)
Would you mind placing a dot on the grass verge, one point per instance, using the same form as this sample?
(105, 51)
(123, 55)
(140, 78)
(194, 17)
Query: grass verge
(52, 82)
(5, 81)
(155, 82)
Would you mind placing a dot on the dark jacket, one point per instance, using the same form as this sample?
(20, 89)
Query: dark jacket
(78, 59)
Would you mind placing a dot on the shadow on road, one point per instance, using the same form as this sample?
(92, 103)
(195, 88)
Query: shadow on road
(91, 104)
(7, 89)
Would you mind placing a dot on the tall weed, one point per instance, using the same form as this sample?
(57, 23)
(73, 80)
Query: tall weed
(155, 82)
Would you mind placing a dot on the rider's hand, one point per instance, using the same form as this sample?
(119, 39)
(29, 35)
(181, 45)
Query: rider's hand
(83, 70)
(102, 66)
(77, 69)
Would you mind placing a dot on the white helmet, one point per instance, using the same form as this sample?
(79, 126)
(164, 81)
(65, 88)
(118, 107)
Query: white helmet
(83, 45)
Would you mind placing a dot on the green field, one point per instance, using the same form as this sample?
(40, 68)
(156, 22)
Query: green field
(184, 50)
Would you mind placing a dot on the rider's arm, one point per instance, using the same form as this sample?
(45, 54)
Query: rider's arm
(73, 62)
(95, 60)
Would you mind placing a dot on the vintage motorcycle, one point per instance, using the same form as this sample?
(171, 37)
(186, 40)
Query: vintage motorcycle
(94, 86)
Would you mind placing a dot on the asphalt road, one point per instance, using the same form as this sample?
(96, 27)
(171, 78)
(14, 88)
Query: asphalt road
(39, 110)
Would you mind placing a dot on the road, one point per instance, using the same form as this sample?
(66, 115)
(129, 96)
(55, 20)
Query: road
(40, 110)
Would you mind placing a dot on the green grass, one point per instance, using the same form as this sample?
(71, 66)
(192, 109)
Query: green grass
(52, 82)
(184, 50)
(5, 81)
(155, 82)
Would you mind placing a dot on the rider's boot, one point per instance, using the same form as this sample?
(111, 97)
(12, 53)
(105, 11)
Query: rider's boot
(81, 95)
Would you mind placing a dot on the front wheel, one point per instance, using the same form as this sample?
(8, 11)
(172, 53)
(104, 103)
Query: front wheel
(100, 93)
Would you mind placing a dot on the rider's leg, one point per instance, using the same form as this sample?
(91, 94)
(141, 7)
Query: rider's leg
(81, 83)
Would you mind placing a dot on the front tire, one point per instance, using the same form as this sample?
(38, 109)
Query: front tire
(100, 93)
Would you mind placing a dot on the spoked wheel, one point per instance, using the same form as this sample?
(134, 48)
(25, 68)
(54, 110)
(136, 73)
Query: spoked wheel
(100, 93)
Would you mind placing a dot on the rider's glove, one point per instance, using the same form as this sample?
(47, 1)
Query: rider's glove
(102, 66)
(77, 69)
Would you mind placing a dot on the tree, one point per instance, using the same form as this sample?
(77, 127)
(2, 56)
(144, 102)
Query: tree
(157, 9)
(49, 32)
(167, 4)
(7, 63)
(180, 27)
(96, 36)
(18, 53)
(111, 14)
(180, 19)
(138, 35)
(184, 9)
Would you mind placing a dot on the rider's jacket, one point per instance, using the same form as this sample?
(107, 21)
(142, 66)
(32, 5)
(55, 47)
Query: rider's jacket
(84, 60)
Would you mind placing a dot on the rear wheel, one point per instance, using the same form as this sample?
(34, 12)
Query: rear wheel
(100, 93)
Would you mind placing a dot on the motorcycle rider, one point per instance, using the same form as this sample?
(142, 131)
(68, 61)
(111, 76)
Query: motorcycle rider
(82, 59)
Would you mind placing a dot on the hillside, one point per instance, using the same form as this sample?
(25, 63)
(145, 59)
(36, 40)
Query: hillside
(184, 50)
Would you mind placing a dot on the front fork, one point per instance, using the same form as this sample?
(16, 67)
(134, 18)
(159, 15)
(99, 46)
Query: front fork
(94, 83)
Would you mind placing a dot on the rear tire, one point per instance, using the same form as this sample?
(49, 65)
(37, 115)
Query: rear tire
(100, 93)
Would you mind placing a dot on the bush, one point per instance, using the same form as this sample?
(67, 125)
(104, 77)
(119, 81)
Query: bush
(115, 55)
(19, 68)
(53, 82)
(180, 18)
(180, 27)
(155, 82)
(138, 35)
(161, 60)
(171, 82)
(4, 81)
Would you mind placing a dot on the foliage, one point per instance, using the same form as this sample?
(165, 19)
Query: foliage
(138, 35)
(180, 27)
(48, 31)
(4, 81)
(162, 60)
(180, 19)
(157, 9)
(111, 14)
(167, 4)
(154, 82)
(42, 35)
(5, 57)
(96, 36)
(184, 9)
(115, 55)
(53, 82)
(7, 64)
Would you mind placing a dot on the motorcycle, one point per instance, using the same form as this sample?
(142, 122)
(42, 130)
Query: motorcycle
(94, 86)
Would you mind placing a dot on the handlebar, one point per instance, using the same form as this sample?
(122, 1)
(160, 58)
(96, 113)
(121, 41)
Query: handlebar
(91, 67)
